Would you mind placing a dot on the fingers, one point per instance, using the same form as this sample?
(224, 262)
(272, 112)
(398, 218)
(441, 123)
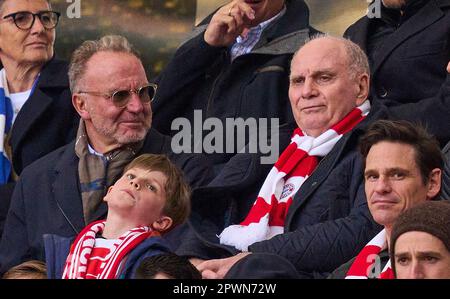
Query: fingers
(242, 13)
(196, 261)
(228, 23)
(244, 10)
(208, 274)
(209, 265)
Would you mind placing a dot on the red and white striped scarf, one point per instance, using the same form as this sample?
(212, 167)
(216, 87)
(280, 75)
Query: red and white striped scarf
(364, 262)
(80, 252)
(297, 162)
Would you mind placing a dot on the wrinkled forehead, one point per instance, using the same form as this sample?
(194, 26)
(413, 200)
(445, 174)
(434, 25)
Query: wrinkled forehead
(318, 62)
(114, 70)
(321, 53)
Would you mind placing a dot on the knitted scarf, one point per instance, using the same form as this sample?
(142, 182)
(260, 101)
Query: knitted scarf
(96, 173)
(79, 256)
(297, 162)
(6, 116)
(364, 262)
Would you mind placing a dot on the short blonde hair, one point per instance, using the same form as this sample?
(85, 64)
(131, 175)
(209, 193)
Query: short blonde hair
(108, 43)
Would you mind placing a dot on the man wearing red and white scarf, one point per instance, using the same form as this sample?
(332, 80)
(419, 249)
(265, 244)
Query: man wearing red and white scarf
(308, 210)
(403, 166)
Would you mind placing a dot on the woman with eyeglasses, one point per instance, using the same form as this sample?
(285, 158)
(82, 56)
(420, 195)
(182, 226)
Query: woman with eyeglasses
(36, 113)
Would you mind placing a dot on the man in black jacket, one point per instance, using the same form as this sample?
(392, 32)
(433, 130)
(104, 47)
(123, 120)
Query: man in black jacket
(236, 65)
(408, 46)
(62, 192)
(403, 168)
(318, 214)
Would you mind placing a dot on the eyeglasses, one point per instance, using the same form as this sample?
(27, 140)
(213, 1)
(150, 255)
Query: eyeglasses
(25, 20)
(120, 98)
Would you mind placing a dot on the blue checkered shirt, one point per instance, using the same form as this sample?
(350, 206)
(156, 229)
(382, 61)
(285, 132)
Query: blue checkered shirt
(244, 45)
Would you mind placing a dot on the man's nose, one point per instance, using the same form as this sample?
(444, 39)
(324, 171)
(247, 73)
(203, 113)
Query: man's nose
(416, 271)
(383, 185)
(135, 104)
(309, 89)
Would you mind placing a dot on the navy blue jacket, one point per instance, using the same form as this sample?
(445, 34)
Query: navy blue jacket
(47, 199)
(409, 70)
(327, 224)
(46, 122)
(57, 249)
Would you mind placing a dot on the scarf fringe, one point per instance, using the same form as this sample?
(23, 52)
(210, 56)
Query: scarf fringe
(242, 236)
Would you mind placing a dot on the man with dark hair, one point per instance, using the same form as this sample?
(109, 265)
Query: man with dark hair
(63, 192)
(408, 47)
(236, 65)
(402, 168)
(167, 266)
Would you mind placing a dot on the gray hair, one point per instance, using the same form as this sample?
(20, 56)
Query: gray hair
(108, 43)
(357, 60)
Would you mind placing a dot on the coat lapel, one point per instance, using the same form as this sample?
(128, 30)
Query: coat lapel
(326, 165)
(65, 188)
(33, 109)
(428, 15)
(53, 76)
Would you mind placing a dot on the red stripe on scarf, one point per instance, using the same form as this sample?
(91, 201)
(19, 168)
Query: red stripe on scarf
(368, 256)
(81, 251)
(296, 163)
(278, 211)
(353, 118)
(361, 264)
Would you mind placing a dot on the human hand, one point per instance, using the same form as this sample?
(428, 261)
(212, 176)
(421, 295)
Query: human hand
(448, 67)
(228, 23)
(217, 269)
(196, 261)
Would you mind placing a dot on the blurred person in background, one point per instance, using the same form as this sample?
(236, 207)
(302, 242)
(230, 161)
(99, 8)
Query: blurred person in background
(36, 112)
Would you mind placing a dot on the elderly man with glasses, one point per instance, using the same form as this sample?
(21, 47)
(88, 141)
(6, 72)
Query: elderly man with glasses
(36, 114)
(63, 192)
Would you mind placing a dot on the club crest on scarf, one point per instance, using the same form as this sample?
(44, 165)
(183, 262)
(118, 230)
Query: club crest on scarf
(297, 162)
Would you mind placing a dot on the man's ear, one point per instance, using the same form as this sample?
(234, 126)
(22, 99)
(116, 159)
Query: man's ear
(162, 224)
(434, 183)
(363, 86)
(80, 104)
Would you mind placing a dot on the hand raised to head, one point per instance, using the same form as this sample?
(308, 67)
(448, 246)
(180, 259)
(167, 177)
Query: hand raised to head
(228, 23)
